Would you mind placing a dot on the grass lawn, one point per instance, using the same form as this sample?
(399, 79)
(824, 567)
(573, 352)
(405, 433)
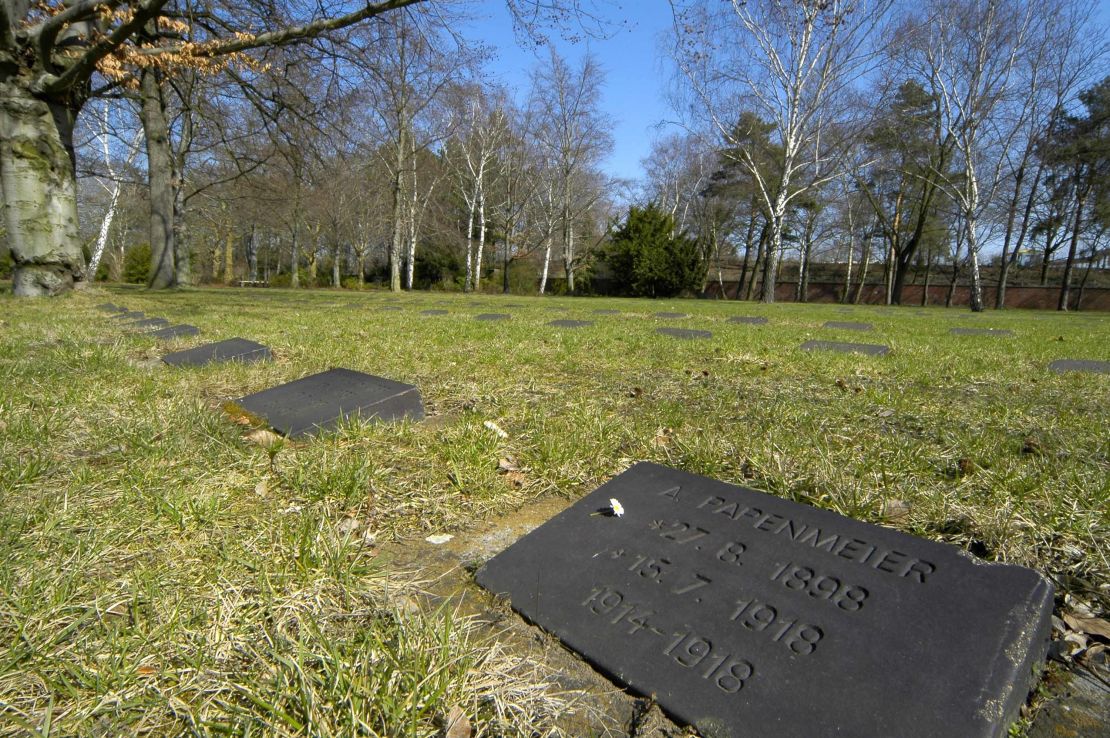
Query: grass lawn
(160, 576)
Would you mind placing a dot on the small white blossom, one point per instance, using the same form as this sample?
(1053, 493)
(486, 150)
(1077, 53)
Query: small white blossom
(616, 506)
(496, 429)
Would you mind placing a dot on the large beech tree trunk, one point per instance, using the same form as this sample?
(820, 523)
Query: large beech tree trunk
(159, 155)
(39, 191)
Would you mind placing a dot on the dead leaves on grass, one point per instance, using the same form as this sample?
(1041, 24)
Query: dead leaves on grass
(458, 724)
(265, 438)
(663, 437)
(508, 467)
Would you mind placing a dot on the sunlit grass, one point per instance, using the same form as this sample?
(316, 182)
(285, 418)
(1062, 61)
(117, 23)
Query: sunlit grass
(161, 576)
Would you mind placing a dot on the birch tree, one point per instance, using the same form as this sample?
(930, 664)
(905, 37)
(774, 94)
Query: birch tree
(789, 62)
(966, 52)
(575, 135)
(111, 183)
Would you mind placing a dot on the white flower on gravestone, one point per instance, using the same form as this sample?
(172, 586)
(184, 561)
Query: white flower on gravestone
(616, 506)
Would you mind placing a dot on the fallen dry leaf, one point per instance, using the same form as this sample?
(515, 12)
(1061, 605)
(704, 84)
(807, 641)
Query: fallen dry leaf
(1091, 626)
(894, 509)
(348, 525)
(635, 392)
(458, 725)
(262, 488)
(516, 479)
(506, 465)
(264, 438)
(662, 437)
(147, 670)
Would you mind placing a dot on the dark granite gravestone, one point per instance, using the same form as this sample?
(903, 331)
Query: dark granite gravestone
(147, 323)
(433, 312)
(747, 615)
(176, 331)
(492, 316)
(670, 316)
(606, 311)
(750, 320)
(871, 349)
(980, 332)
(108, 307)
(128, 315)
(322, 401)
(233, 349)
(1080, 365)
(848, 326)
(683, 333)
(570, 323)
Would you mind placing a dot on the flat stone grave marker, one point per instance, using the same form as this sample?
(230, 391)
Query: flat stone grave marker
(606, 311)
(842, 325)
(570, 323)
(492, 316)
(127, 315)
(871, 349)
(233, 349)
(433, 312)
(323, 401)
(670, 316)
(176, 331)
(748, 615)
(1080, 365)
(684, 333)
(108, 307)
(980, 332)
(148, 323)
(750, 320)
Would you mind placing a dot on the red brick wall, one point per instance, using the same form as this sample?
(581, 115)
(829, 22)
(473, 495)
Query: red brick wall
(1039, 298)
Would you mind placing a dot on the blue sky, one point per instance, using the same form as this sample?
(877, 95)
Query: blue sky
(635, 76)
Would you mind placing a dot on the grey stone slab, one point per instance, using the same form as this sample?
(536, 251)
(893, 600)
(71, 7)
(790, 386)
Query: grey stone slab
(233, 349)
(747, 615)
(749, 319)
(683, 333)
(323, 401)
(107, 307)
(670, 316)
(980, 332)
(433, 312)
(871, 349)
(128, 315)
(147, 324)
(1080, 365)
(570, 323)
(842, 325)
(606, 311)
(176, 331)
(493, 316)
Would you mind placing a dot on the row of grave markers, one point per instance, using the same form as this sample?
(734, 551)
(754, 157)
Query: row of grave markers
(741, 613)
